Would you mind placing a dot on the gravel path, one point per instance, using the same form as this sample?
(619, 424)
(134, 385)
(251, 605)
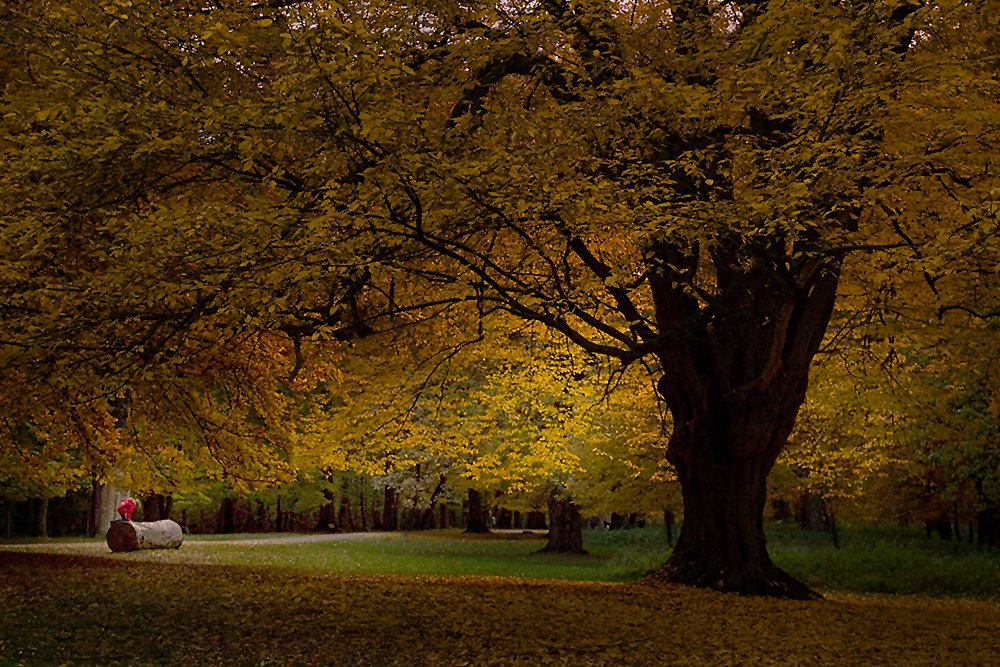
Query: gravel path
(297, 539)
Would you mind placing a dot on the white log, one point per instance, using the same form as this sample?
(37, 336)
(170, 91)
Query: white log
(132, 535)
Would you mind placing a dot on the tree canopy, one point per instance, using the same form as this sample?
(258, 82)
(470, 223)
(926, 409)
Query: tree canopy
(678, 184)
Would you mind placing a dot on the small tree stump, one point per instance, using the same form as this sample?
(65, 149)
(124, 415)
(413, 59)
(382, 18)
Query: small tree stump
(132, 535)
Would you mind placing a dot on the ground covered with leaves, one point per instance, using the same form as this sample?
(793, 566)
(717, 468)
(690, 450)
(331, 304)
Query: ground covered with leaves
(61, 609)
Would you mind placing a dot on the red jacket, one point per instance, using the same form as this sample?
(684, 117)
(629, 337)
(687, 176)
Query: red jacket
(126, 507)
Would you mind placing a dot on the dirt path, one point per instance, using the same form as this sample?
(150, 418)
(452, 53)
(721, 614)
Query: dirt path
(297, 539)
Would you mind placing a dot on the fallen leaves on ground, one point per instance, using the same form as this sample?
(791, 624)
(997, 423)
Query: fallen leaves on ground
(63, 609)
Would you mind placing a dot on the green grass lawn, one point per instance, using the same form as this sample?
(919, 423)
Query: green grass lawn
(879, 560)
(887, 560)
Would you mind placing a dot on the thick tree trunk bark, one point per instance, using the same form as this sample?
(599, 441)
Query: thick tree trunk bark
(722, 543)
(130, 536)
(565, 527)
(478, 521)
(735, 372)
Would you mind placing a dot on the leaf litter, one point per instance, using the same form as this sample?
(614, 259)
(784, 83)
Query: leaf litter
(82, 610)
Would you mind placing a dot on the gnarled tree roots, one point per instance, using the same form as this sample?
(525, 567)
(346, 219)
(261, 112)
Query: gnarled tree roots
(766, 580)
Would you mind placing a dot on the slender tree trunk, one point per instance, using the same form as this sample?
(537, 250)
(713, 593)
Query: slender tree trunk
(277, 516)
(830, 519)
(565, 527)
(390, 509)
(364, 510)
(94, 520)
(427, 519)
(43, 517)
(668, 526)
(478, 514)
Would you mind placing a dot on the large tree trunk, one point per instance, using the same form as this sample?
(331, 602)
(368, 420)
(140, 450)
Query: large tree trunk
(478, 521)
(734, 382)
(129, 535)
(722, 543)
(565, 527)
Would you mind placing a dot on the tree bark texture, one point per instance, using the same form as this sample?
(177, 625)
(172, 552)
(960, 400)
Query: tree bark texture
(565, 527)
(734, 385)
(130, 536)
